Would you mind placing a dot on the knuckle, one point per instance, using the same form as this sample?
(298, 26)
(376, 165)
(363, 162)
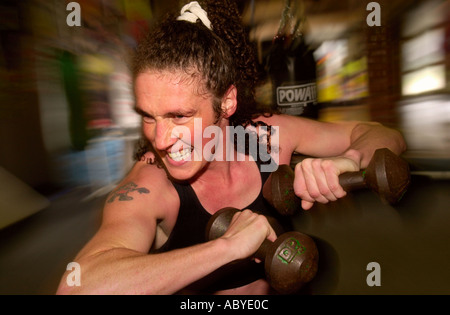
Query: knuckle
(316, 163)
(298, 191)
(328, 165)
(315, 194)
(324, 190)
(333, 187)
(261, 219)
(246, 212)
(298, 168)
(308, 161)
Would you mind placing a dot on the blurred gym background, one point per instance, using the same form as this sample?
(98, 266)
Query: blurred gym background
(67, 128)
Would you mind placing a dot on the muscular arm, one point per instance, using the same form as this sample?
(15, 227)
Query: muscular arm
(120, 270)
(116, 260)
(338, 147)
(352, 147)
(331, 139)
(367, 137)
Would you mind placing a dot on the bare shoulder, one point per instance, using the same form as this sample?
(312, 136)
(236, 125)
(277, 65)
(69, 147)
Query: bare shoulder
(145, 186)
(284, 127)
(135, 210)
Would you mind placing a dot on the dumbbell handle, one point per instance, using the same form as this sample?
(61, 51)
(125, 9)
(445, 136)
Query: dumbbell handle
(352, 180)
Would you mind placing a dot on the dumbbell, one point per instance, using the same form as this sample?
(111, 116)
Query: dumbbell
(289, 262)
(387, 174)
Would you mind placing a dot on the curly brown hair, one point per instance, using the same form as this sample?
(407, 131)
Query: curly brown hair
(220, 57)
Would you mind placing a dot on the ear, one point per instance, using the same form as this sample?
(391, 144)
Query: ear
(229, 102)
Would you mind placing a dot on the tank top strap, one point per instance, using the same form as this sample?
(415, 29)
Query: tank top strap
(191, 217)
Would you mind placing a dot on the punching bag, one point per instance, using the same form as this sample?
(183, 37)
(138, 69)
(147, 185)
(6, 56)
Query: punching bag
(291, 66)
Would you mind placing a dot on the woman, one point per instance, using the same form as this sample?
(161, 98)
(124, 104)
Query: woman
(196, 73)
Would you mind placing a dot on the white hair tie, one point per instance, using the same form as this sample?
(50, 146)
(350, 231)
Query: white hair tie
(192, 11)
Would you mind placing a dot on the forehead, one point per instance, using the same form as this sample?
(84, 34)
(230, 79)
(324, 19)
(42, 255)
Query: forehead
(178, 82)
(169, 89)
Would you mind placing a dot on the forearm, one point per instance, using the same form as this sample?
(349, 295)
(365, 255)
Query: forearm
(368, 137)
(122, 271)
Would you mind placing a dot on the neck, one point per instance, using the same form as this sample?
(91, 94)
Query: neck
(225, 160)
(235, 184)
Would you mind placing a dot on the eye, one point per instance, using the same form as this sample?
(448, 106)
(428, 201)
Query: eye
(148, 119)
(180, 118)
(145, 116)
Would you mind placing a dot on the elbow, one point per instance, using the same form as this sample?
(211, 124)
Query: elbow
(380, 136)
(70, 283)
(399, 146)
(65, 289)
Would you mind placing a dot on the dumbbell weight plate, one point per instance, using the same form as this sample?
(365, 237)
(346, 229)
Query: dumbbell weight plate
(297, 250)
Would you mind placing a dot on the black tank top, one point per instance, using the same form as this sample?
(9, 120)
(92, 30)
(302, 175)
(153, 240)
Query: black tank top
(190, 228)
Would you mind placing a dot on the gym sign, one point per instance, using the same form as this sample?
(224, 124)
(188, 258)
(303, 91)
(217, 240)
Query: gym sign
(298, 95)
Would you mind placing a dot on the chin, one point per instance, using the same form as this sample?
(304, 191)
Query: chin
(183, 171)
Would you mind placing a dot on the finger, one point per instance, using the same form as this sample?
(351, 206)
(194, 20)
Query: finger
(332, 178)
(320, 167)
(300, 188)
(311, 184)
(271, 236)
(239, 217)
(299, 181)
(244, 219)
(261, 222)
(306, 205)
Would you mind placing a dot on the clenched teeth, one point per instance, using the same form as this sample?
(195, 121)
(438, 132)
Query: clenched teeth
(184, 154)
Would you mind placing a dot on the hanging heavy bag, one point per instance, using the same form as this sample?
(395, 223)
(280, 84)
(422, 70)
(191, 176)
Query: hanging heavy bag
(291, 66)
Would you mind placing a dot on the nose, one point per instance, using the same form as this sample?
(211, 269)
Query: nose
(163, 139)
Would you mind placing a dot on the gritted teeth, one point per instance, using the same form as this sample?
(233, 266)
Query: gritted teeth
(180, 155)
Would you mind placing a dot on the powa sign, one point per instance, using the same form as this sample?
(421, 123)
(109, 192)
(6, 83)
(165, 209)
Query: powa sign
(298, 95)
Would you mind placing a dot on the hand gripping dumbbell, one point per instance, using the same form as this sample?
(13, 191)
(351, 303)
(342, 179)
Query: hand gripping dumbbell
(289, 262)
(387, 174)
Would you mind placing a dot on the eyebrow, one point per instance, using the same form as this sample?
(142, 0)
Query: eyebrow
(140, 111)
(169, 114)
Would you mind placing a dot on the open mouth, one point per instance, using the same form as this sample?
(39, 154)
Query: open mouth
(183, 155)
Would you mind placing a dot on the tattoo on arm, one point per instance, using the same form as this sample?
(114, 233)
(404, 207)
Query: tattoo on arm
(123, 191)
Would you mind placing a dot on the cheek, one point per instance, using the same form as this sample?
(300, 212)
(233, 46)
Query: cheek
(148, 131)
(184, 137)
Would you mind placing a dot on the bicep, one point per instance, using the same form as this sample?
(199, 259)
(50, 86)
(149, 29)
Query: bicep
(122, 227)
(319, 139)
(132, 212)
